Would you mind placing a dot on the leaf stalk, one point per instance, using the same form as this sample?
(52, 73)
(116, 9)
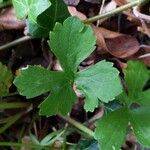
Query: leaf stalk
(78, 125)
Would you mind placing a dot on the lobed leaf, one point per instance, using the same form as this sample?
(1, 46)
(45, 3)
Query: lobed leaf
(99, 81)
(71, 42)
(68, 43)
(111, 130)
(136, 76)
(141, 125)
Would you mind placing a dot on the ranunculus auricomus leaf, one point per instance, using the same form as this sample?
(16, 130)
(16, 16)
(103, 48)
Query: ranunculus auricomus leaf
(99, 81)
(71, 42)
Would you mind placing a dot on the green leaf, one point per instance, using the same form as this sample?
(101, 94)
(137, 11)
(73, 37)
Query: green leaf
(30, 8)
(21, 8)
(44, 15)
(6, 78)
(36, 30)
(111, 130)
(39, 79)
(36, 8)
(34, 139)
(140, 121)
(144, 98)
(60, 100)
(72, 42)
(52, 137)
(99, 81)
(57, 12)
(136, 76)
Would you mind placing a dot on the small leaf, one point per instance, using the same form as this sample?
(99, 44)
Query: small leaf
(99, 81)
(141, 125)
(111, 130)
(6, 78)
(57, 12)
(72, 42)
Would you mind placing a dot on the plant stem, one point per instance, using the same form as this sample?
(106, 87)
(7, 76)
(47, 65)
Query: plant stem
(16, 42)
(114, 11)
(5, 105)
(5, 4)
(78, 125)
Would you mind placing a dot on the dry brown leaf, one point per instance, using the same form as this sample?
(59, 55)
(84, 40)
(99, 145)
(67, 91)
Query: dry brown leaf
(102, 48)
(120, 2)
(118, 45)
(8, 20)
(73, 11)
(106, 33)
(122, 46)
